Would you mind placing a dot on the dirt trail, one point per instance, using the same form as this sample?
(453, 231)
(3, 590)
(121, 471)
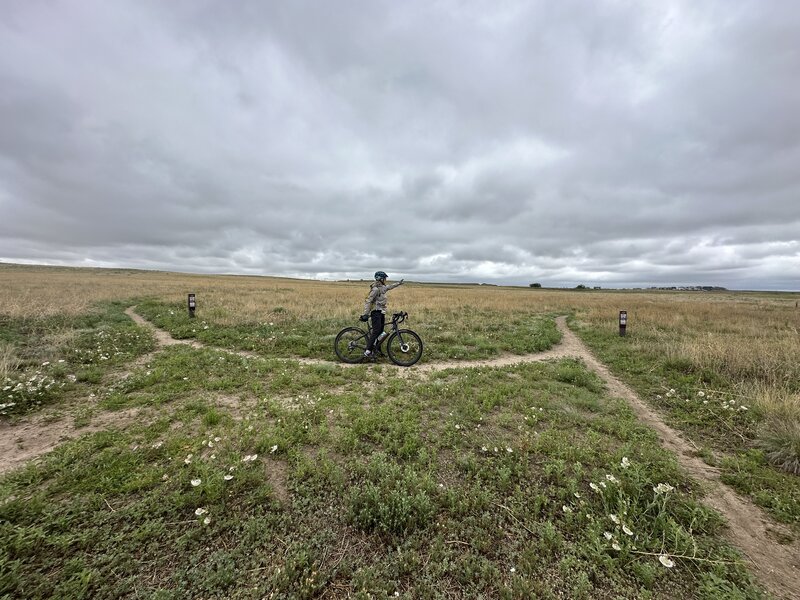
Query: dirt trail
(36, 436)
(777, 566)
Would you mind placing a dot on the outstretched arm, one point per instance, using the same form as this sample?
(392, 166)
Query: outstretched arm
(394, 285)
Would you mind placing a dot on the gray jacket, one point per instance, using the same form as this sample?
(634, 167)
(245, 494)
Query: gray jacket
(377, 297)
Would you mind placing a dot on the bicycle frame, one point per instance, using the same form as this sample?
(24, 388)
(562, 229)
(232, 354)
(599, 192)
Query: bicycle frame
(403, 346)
(397, 318)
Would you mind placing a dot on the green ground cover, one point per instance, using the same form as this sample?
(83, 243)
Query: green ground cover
(446, 334)
(252, 478)
(709, 408)
(55, 359)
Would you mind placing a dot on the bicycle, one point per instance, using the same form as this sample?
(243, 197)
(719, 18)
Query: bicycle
(403, 346)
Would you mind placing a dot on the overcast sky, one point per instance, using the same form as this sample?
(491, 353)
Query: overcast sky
(613, 143)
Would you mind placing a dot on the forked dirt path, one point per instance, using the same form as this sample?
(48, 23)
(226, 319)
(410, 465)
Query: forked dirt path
(777, 566)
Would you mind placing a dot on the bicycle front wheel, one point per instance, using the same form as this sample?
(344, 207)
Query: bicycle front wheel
(404, 347)
(350, 345)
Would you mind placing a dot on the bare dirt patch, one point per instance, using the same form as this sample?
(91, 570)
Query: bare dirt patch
(276, 475)
(31, 438)
(236, 406)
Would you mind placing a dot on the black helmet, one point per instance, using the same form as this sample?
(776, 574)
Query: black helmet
(380, 275)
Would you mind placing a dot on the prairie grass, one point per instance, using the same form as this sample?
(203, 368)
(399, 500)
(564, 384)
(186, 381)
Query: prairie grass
(252, 477)
(739, 346)
(8, 361)
(504, 483)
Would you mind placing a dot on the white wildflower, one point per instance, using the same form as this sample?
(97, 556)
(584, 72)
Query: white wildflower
(566, 509)
(614, 518)
(625, 462)
(612, 479)
(196, 482)
(227, 477)
(607, 535)
(200, 512)
(701, 393)
(616, 546)
(207, 520)
(663, 488)
(627, 530)
(666, 561)
(274, 449)
(509, 450)
(594, 486)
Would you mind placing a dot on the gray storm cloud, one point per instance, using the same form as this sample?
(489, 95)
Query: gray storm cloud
(571, 142)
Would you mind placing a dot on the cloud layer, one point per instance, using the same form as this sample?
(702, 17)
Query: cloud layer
(572, 142)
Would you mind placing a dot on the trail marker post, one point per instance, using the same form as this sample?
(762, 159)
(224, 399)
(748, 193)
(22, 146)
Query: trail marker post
(623, 322)
(192, 305)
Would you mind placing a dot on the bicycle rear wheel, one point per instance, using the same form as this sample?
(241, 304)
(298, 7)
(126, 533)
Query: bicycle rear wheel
(404, 347)
(350, 345)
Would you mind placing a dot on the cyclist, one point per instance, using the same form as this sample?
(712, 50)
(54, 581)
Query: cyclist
(375, 309)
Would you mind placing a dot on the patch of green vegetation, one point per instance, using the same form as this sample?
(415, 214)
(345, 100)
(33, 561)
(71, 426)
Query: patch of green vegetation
(58, 354)
(770, 488)
(457, 334)
(525, 481)
(708, 408)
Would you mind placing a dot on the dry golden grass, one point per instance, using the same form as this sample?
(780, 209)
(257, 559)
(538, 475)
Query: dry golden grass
(45, 291)
(752, 339)
(747, 337)
(8, 361)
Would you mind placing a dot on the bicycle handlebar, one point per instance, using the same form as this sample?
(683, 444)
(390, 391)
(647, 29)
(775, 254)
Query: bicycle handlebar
(399, 317)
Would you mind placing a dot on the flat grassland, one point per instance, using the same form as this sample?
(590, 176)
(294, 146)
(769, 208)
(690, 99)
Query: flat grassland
(372, 481)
